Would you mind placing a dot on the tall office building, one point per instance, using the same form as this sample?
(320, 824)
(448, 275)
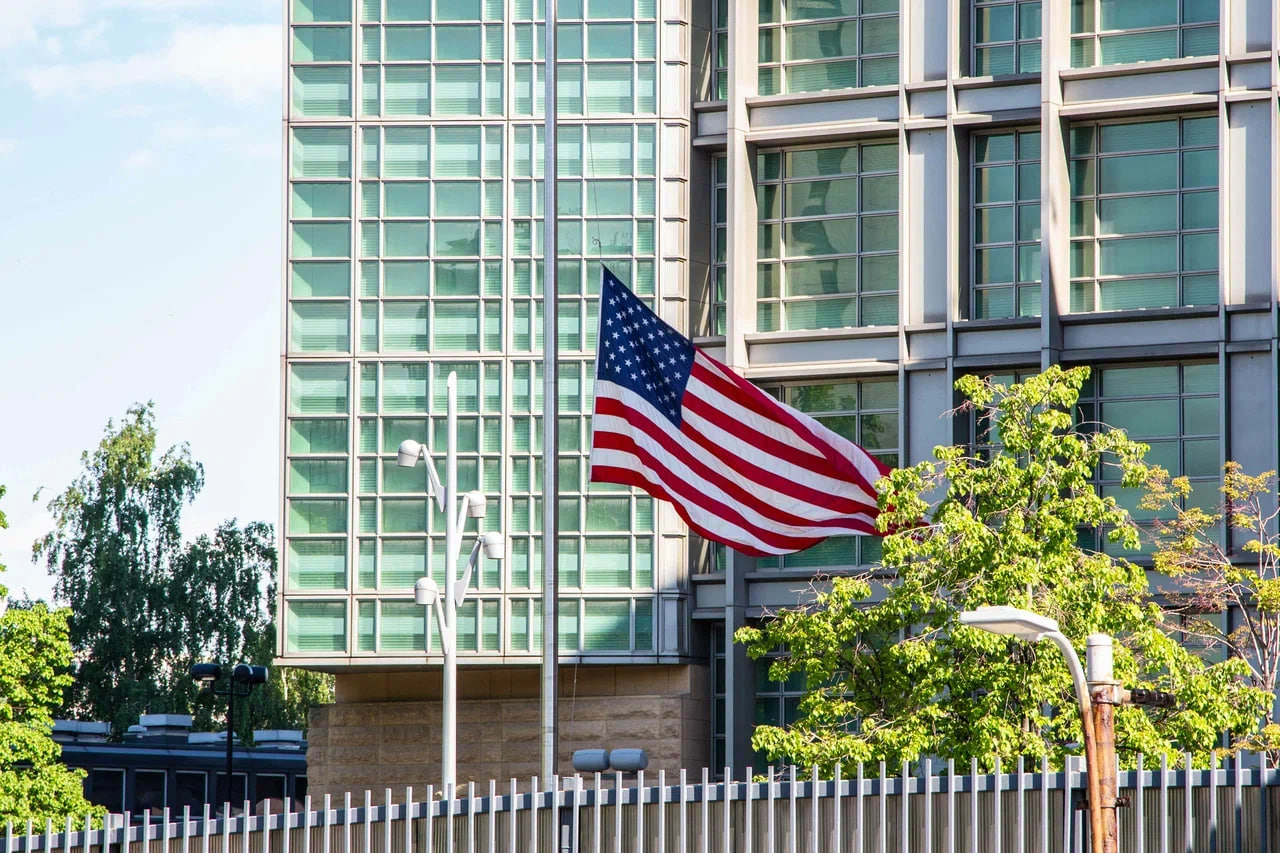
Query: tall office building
(851, 201)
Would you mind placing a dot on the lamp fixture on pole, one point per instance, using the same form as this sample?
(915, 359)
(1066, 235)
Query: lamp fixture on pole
(243, 679)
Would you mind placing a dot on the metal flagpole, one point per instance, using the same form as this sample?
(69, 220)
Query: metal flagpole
(550, 408)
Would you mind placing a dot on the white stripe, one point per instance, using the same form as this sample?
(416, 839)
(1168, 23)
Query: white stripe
(678, 469)
(811, 477)
(767, 426)
(842, 446)
(723, 531)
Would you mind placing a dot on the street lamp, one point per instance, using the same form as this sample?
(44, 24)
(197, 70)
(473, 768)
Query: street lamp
(245, 677)
(1032, 627)
(456, 510)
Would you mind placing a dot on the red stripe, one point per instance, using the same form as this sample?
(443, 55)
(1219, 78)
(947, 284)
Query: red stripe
(781, 413)
(692, 495)
(610, 406)
(627, 477)
(800, 456)
(619, 441)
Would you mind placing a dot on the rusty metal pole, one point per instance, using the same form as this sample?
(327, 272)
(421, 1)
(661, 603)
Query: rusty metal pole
(1104, 690)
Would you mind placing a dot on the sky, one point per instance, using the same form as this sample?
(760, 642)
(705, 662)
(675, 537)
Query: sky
(140, 246)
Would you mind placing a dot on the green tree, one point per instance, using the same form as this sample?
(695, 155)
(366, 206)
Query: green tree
(35, 655)
(145, 605)
(895, 677)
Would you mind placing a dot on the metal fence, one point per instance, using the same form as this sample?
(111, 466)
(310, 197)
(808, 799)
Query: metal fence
(1171, 809)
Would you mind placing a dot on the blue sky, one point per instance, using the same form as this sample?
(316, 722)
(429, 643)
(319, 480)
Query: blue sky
(139, 246)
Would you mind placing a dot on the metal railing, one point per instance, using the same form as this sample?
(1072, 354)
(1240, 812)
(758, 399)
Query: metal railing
(934, 809)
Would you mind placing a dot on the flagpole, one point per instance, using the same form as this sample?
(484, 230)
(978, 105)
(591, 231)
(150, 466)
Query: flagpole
(550, 409)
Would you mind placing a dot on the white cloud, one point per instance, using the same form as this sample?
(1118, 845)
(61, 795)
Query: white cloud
(237, 61)
(138, 159)
(7, 146)
(25, 20)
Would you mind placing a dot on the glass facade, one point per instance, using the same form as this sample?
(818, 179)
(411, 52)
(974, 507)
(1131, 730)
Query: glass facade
(1006, 37)
(1111, 32)
(815, 45)
(1144, 213)
(415, 244)
(1004, 267)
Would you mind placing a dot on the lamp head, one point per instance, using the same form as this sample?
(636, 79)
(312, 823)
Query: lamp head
(1010, 622)
(248, 674)
(425, 592)
(475, 504)
(494, 545)
(206, 673)
(408, 453)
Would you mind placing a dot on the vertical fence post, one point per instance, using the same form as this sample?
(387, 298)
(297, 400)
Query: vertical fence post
(706, 812)
(726, 840)
(639, 847)
(266, 825)
(533, 814)
(1164, 802)
(513, 828)
(619, 798)
(1264, 810)
(926, 787)
(471, 818)
(748, 809)
(346, 823)
(1021, 819)
(366, 816)
(662, 811)
(408, 819)
(1187, 816)
(1068, 814)
(1237, 763)
(1139, 809)
(858, 814)
(286, 824)
(684, 811)
(815, 816)
(836, 841)
(431, 819)
(770, 841)
(794, 828)
(905, 818)
(493, 816)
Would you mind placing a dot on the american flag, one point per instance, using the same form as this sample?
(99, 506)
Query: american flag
(739, 467)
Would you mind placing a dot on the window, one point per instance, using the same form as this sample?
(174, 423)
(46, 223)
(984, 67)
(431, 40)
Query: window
(607, 59)
(316, 627)
(1109, 32)
(719, 247)
(777, 702)
(1144, 214)
(1004, 268)
(1174, 408)
(827, 243)
(865, 412)
(106, 789)
(808, 46)
(148, 790)
(719, 753)
(270, 786)
(190, 789)
(1006, 37)
(416, 64)
(239, 790)
(720, 84)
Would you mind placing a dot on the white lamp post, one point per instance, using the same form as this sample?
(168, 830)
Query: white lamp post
(456, 510)
(1032, 627)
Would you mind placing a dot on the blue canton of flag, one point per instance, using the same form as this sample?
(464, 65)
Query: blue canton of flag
(641, 352)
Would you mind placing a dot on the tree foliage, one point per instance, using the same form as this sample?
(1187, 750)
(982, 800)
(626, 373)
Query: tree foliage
(894, 677)
(35, 655)
(146, 605)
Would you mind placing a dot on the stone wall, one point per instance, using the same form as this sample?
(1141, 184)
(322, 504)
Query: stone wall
(384, 729)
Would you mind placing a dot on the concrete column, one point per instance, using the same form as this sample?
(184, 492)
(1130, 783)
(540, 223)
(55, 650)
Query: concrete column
(1055, 188)
(741, 218)
(739, 681)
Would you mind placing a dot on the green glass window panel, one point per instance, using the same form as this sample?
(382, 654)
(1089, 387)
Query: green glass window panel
(457, 278)
(316, 389)
(410, 198)
(458, 89)
(821, 314)
(993, 184)
(993, 265)
(994, 23)
(318, 327)
(1200, 416)
(1138, 255)
(368, 509)
(817, 198)
(609, 198)
(1138, 136)
(370, 157)
(406, 278)
(370, 199)
(1200, 458)
(993, 302)
(1029, 221)
(878, 431)
(1082, 218)
(317, 516)
(316, 626)
(811, 278)
(879, 233)
(1198, 11)
(367, 574)
(408, 10)
(370, 45)
(400, 480)
(317, 476)
(457, 326)
(403, 561)
(644, 562)
(993, 148)
(407, 92)
(821, 76)
(606, 625)
(1200, 41)
(879, 311)
(1127, 15)
(321, 279)
(518, 628)
(458, 198)
(993, 225)
(468, 385)
(408, 152)
(607, 563)
(403, 516)
(317, 564)
(1143, 418)
(1137, 293)
(402, 627)
(366, 632)
(835, 551)
(396, 430)
(1029, 182)
(644, 625)
(457, 238)
(1200, 210)
(608, 514)
(458, 153)
(458, 10)
(321, 239)
(1029, 20)
(1200, 131)
(1200, 251)
(1029, 263)
(609, 41)
(1200, 290)
(408, 43)
(459, 43)
(368, 479)
(321, 201)
(368, 388)
(370, 239)
(404, 388)
(816, 41)
(821, 237)
(318, 436)
(322, 91)
(321, 11)
(1139, 47)
(405, 326)
(1200, 168)
(609, 151)
(1080, 173)
(878, 273)
(1139, 381)
(1136, 214)
(878, 395)
(609, 88)
(806, 9)
(369, 435)
(405, 239)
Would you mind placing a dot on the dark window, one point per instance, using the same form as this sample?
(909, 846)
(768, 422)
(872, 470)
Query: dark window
(190, 789)
(238, 792)
(106, 789)
(269, 786)
(148, 790)
(299, 787)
